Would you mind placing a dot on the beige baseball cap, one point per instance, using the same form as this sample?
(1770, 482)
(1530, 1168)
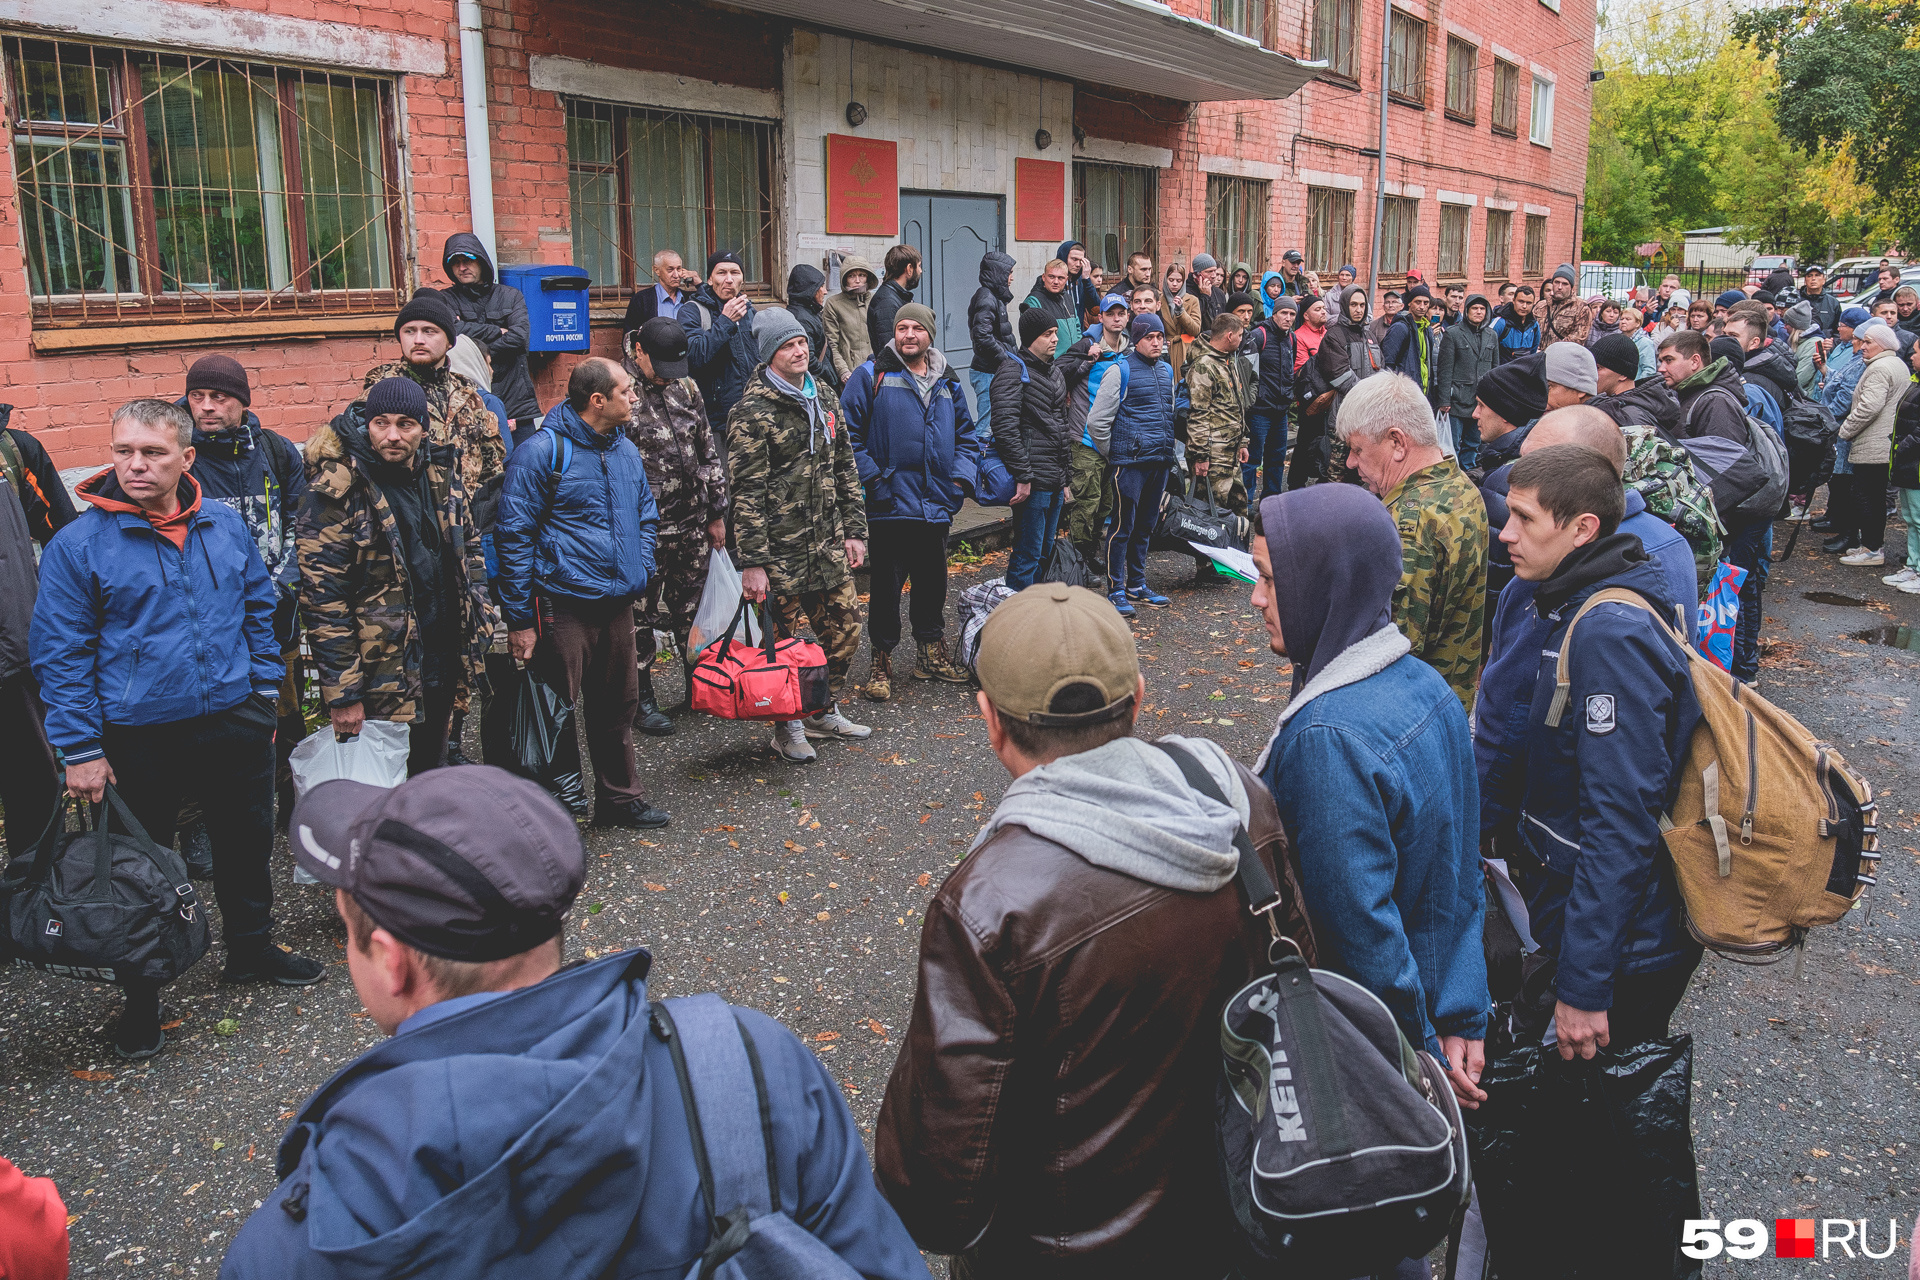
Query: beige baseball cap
(1051, 636)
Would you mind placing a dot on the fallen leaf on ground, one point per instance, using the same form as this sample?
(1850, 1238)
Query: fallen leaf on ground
(656, 888)
(873, 1025)
(923, 879)
(824, 915)
(94, 1076)
(780, 980)
(825, 1036)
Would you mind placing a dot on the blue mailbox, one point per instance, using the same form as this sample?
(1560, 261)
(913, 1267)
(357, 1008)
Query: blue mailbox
(556, 305)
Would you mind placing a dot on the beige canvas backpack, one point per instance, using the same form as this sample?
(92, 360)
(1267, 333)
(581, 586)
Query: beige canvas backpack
(1771, 833)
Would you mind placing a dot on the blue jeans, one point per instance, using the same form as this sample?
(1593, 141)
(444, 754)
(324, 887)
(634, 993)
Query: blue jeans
(1466, 439)
(1751, 549)
(1137, 490)
(982, 383)
(1266, 450)
(1036, 522)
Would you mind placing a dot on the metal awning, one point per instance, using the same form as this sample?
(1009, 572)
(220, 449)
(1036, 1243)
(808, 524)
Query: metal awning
(1129, 44)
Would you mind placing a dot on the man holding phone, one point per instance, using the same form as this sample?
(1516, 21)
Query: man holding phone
(718, 319)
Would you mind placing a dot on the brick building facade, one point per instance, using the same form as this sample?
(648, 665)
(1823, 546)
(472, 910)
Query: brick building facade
(268, 177)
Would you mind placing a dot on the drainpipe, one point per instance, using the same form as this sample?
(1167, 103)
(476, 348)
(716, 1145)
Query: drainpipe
(473, 95)
(1380, 165)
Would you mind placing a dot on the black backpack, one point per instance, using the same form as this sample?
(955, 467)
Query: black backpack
(102, 906)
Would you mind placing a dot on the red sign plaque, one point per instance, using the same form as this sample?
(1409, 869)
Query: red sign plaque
(1039, 200)
(863, 187)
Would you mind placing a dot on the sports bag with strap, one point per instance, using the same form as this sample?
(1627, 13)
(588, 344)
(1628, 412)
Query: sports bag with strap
(774, 680)
(1771, 833)
(718, 1067)
(1662, 473)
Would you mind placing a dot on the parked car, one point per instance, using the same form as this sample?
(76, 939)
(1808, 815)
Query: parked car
(1622, 284)
(1850, 276)
(1871, 294)
(1766, 264)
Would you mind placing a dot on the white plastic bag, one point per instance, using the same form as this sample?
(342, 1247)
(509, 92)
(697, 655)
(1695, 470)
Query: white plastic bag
(377, 755)
(719, 602)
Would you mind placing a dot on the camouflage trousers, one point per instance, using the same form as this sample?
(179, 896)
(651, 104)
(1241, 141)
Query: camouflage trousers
(679, 576)
(1228, 488)
(833, 616)
(1092, 485)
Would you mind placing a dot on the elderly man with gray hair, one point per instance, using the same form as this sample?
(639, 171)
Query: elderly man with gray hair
(1441, 601)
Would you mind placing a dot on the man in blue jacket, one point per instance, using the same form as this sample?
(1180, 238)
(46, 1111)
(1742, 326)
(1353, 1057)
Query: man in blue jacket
(721, 352)
(1602, 760)
(1411, 344)
(1131, 423)
(153, 643)
(574, 537)
(914, 444)
(522, 1121)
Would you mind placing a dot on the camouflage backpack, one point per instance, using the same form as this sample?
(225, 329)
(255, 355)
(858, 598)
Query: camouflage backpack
(1662, 473)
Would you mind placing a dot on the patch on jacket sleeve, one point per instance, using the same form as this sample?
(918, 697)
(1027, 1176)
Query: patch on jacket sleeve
(1600, 713)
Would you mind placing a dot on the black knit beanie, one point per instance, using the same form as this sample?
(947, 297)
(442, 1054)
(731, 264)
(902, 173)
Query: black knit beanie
(402, 396)
(431, 306)
(1517, 391)
(220, 373)
(1032, 325)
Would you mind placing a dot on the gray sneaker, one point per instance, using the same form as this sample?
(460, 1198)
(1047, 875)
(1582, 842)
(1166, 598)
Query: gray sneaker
(790, 742)
(831, 724)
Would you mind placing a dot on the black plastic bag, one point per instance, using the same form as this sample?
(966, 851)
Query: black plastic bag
(528, 729)
(1066, 566)
(1585, 1168)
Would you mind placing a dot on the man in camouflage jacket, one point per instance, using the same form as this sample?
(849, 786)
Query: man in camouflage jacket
(1217, 423)
(1563, 317)
(456, 413)
(386, 649)
(669, 425)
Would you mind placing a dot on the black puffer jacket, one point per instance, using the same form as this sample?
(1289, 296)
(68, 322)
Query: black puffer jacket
(495, 316)
(987, 321)
(887, 299)
(1029, 405)
(1774, 365)
(802, 283)
(1906, 441)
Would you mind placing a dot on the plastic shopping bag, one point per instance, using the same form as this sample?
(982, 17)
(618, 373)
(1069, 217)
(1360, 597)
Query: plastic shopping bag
(719, 606)
(535, 737)
(377, 756)
(1720, 614)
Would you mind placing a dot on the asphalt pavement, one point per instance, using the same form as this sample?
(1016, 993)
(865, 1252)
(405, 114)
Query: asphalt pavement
(799, 890)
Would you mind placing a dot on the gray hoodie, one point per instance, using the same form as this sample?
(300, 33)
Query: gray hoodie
(1125, 807)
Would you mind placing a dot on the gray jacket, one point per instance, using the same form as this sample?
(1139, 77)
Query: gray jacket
(1467, 354)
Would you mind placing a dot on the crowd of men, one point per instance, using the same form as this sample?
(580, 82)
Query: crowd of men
(1400, 473)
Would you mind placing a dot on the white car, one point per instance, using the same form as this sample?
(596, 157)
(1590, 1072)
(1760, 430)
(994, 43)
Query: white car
(1622, 284)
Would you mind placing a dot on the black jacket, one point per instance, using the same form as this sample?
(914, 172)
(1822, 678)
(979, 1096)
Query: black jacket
(1649, 404)
(495, 316)
(802, 283)
(987, 322)
(1906, 441)
(1774, 366)
(43, 496)
(33, 507)
(1029, 408)
(887, 299)
(1826, 309)
(1273, 352)
(1704, 412)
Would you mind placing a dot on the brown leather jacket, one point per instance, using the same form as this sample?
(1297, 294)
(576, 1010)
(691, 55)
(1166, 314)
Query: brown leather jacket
(1052, 1110)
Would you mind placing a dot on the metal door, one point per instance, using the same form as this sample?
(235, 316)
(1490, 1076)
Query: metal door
(952, 234)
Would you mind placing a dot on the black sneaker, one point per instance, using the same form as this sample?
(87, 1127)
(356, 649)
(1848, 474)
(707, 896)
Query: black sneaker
(139, 1037)
(271, 964)
(196, 850)
(637, 814)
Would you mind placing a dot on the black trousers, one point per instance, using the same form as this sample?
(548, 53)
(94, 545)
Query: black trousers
(1643, 1004)
(427, 735)
(30, 786)
(1867, 504)
(898, 551)
(225, 762)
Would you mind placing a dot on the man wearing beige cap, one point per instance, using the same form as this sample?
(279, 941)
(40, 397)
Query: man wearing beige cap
(1026, 1139)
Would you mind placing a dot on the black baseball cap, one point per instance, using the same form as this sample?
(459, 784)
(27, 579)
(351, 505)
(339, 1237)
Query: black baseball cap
(665, 343)
(471, 864)
(1292, 255)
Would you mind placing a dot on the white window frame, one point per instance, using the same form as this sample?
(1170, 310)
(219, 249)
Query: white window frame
(1540, 113)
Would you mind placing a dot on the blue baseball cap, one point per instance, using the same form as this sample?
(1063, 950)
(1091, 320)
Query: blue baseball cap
(1113, 300)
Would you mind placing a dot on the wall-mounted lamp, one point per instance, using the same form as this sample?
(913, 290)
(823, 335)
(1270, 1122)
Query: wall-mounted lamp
(856, 114)
(1042, 139)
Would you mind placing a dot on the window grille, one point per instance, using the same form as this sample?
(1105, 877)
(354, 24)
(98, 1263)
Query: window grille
(1237, 220)
(1114, 208)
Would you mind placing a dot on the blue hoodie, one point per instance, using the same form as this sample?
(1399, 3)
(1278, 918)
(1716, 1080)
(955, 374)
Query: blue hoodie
(540, 1133)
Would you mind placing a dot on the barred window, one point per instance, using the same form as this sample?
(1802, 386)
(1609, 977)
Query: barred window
(1399, 234)
(1244, 16)
(641, 181)
(1454, 221)
(1114, 206)
(1334, 25)
(1463, 79)
(179, 187)
(1535, 263)
(1506, 98)
(1329, 229)
(1499, 244)
(1236, 220)
(1407, 60)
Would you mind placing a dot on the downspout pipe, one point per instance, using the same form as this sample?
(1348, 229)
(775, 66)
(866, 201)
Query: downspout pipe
(1380, 159)
(473, 95)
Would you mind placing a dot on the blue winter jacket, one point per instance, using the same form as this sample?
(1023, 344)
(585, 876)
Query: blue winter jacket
(1597, 784)
(1376, 789)
(1517, 340)
(721, 354)
(540, 1133)
(1844, 368)
(1133, 421)
(588, 537)
(1400, 349)
(260, 474)
(917, 457)
(127, 630)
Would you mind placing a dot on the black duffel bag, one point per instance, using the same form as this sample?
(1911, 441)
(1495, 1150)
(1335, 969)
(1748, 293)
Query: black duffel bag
(102, 905)
(1186, 520)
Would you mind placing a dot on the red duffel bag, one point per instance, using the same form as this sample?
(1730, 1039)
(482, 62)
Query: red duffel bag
(773, 680)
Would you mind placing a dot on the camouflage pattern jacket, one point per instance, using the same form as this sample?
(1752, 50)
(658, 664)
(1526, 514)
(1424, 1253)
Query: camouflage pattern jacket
(1441, 602)
(354, 593)
(1568, 321)
(458, 416)
(796, 489)
(685, 471)
(1217, 390)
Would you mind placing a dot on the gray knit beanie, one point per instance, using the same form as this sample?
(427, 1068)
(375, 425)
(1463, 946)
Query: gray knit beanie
(1570, 364)
(773, 329)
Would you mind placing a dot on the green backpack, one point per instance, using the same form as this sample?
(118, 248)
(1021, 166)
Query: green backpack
(1662, 473)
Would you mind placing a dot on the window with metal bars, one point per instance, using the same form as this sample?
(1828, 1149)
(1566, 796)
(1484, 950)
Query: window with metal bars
(1244, 16)
(1454, 221)
(168, 186)
(1536, 256)
(1399, 234)
(1237, 220)
(1114, 207)
(1463, 79)
(1334, 25)
(642, 180)
(1329, 229)
(1407, 60)
(1499, 260)
(1506, 98)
